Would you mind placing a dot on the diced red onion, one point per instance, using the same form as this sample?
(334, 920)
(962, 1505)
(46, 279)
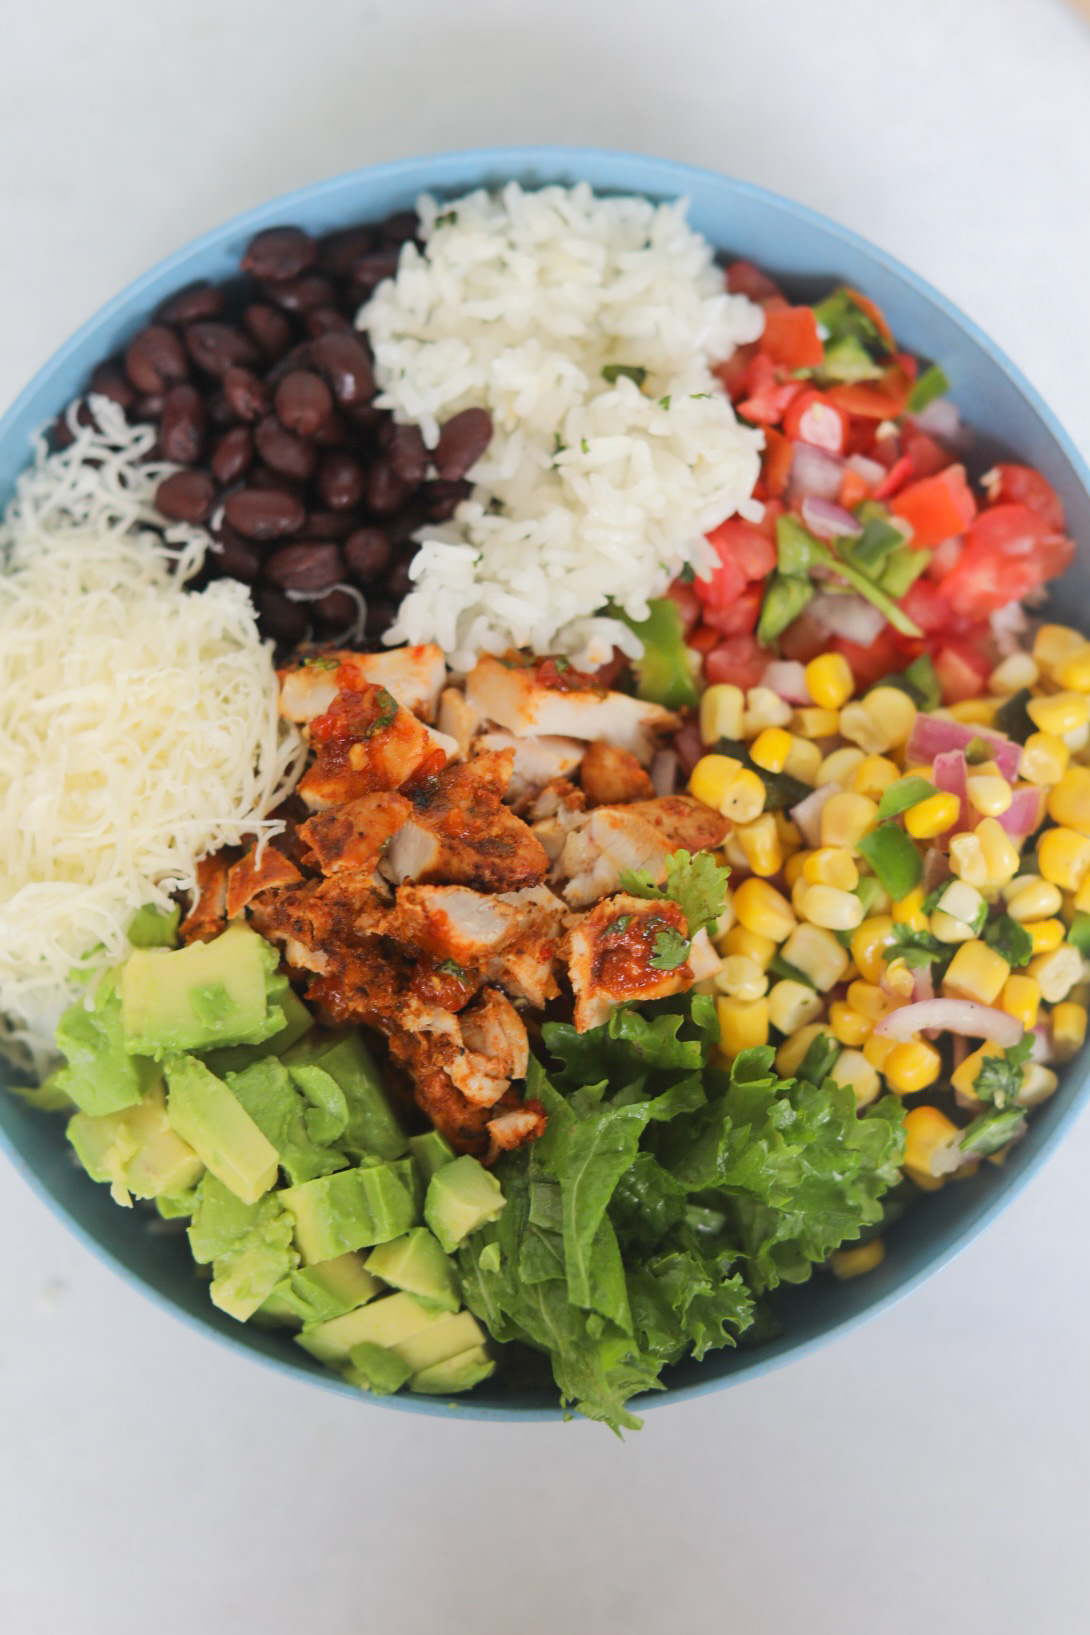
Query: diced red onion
(787, 678)
(950, 774)
(847, 616)
(664, 772)
(923, 984)
(936, 869)
(1025, 812)
(828, 520)
(871, 472)
(807, 814)
(952, 1016)
(1041, 1049)
(814, 473)
(932, 735)
(940, 419)
(689, 746)
(1008, 626)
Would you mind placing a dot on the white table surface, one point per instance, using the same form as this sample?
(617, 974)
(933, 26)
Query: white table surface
(929, 1472)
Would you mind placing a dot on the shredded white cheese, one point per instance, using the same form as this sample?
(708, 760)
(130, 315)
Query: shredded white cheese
(138, 721)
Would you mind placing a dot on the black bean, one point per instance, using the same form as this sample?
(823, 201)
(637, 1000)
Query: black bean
(149, 407)
(336, 610)
(462, 441)
(216, 347)
(303, 402)
(264, 513)
(280, 253)
(404, 523)
(400, 226)
(327, 321)
(380, 616)
(397, 582)
(109, 380)
(443, 499)
(270, 328)
(61, 435)
(369, 270)
(365, 416)
(334, 432)
(386, 491)
(368, 553)
(338, 251)
(343, 361)
(154, 359)
(283, 452)
(220, 412)
(405, 451)
(300, 294)
(329, 525)
(263, 476)
(181, 435)
(282, 619)
(192, 303)
(340, 482)
(187, 496)
(233, 455)
(313, 566)
(246, 393)
(235, 557)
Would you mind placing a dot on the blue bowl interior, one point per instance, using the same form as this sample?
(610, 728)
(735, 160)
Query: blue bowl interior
(808, 254)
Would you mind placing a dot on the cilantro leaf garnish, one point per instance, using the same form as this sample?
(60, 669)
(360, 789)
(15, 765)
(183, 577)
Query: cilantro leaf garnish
(697, 884)
(387, 712)
(916, 948)
(1010, 939)
(631, 371)
(671, 950)
(991, 1131)
(1000, 1077)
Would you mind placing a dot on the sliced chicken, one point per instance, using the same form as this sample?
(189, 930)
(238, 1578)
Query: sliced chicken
(414, 675)
(508, 1130)
(536, 700)
(462, 834)
(496, 1049)
(538, 761)
(208, 915)
(610, 955)
(249, 877)
(355, 835)
(557, 810)
(364, 742)
(612, 776)
(457, 718)
(612, 839)
(453, 922)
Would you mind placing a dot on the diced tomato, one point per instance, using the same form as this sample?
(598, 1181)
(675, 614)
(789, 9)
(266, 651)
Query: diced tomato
(776, 463)
(726, 584)
(731, 373)
(895, 478)
(909, 364)
(791, 338)
(740, 617)
(925, 607)
(853, 489)
(884, 656)
(739, 660)
(945, 558)
(767, 408)
(881, 400)
(743, 278)
(746, 545)
(704, 638)
(812, 418)
(688, 604)
(1021, 485)
(874, 313)
(962, 671)
(928, 457)
(1008, 551)
(936, 508)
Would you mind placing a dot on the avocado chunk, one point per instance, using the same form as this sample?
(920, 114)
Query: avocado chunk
(460, 1373)
(136, 1150)
(101, 1075)
(248, 1245)
(280, 1113)
(203, 1111)
(440, 1341)
(211, 993)
(152, 927)
(297, 1022)
(371, 1125)
(431, 1152)
(387, 1322)
(417, 1264)
(353, 1209)
(315, 1294)
(47, 1097)
(461, 1197)
(376, 1370)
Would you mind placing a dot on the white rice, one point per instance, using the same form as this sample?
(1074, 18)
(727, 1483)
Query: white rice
(590, 493)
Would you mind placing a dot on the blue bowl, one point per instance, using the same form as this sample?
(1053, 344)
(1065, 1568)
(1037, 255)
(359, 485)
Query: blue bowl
(808, 254)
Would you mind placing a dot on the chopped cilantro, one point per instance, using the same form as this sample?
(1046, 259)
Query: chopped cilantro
(916, 948)
(687, 574)
(821, 1057)
(615, 927)
(919, 681)
(631, 371)
(450, 967)
(1009, 939)
(321, 661)
(1014, 719)
(387, 713)
(584, 445)
(778, 966)
(697, 884)
(696, 395)
(1000, 1077)
(671, 950)
(1078, 933)
(664, 402)
(446, 218)
(991, 1131)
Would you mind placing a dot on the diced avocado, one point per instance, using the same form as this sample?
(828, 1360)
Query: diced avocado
(177, 1205)
(101, 1075)
(431, 1152)
(410, 1178)
(372, 1125)
(152, 927)
(461, 1197)
(386, 1322)
(297, 1022)
(666, 671)
(136, 1150)
(279, 1307)
(440, 1342)
(315, 1294)
(219, 1129)
(327, 1105)
(350, 1210)
(211, 993)
(280, 1113)
(417, 1264)
(249, 1246)
(47, 1097)
(375, 1369)
(460, 1373)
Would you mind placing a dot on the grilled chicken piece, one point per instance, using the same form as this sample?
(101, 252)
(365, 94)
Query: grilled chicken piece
(452, 922)
(363, 743)
(538, 761)
(495, 1049)
(610, 953)
(557, 810)
(530, 702)
(355, 835)
(457, 718)
(414, 675)
(615, 838)
(461, 833)
(509, 1130)
(208, 915)
(248, 878)
(612, 776)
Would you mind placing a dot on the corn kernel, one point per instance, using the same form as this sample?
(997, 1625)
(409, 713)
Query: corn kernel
(1057, 972)
(1021, 998)
(858, 1075)
(733, 853)
(1001, 857)
(899, 980)
(1058, 713)
(818, 955)
(803, 761)
(964, 902)
(894, 713)
(860, 727)
(974, 712)
(976, 972)
(990, 796)
(830, 907)
(1077, 739)
(792, 1053)
(1063, 857)
(743, 1024)
(1016, 672)
(814, 722)
(869, 941)
(792, 1004)
(1045, 935)
(1038, 1083)
(792, 869)
(911, 1066)
(919, 769)
(1068, 1029)
(764, 708)
(744, 799)
(760, 907)
(965, 1075)
(721, 709)
(1044, 759)
(849, 1027)
(931, 1143)
(848, 1263)
(876, 1050)
(790, 838)
(839, 765)
(846, 818)
(967, 860)
(1037, 900)
(830, 680)
(1069, 799)
(948, 928)
(1073, 672)
(831, 866)
(1055, 642)
(753, 944)
(932, 816)
(770, 749)
(801, 886)
(711, 777)
(873, 776)
(740, 977)
(760, 842)
(1081, 900)
(869, 1000)
(909, 911)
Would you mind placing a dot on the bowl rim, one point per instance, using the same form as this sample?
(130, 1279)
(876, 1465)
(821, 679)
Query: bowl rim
(664, 178)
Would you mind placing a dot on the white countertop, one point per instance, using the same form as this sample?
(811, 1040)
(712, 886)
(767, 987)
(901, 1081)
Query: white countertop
(929, 1472)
